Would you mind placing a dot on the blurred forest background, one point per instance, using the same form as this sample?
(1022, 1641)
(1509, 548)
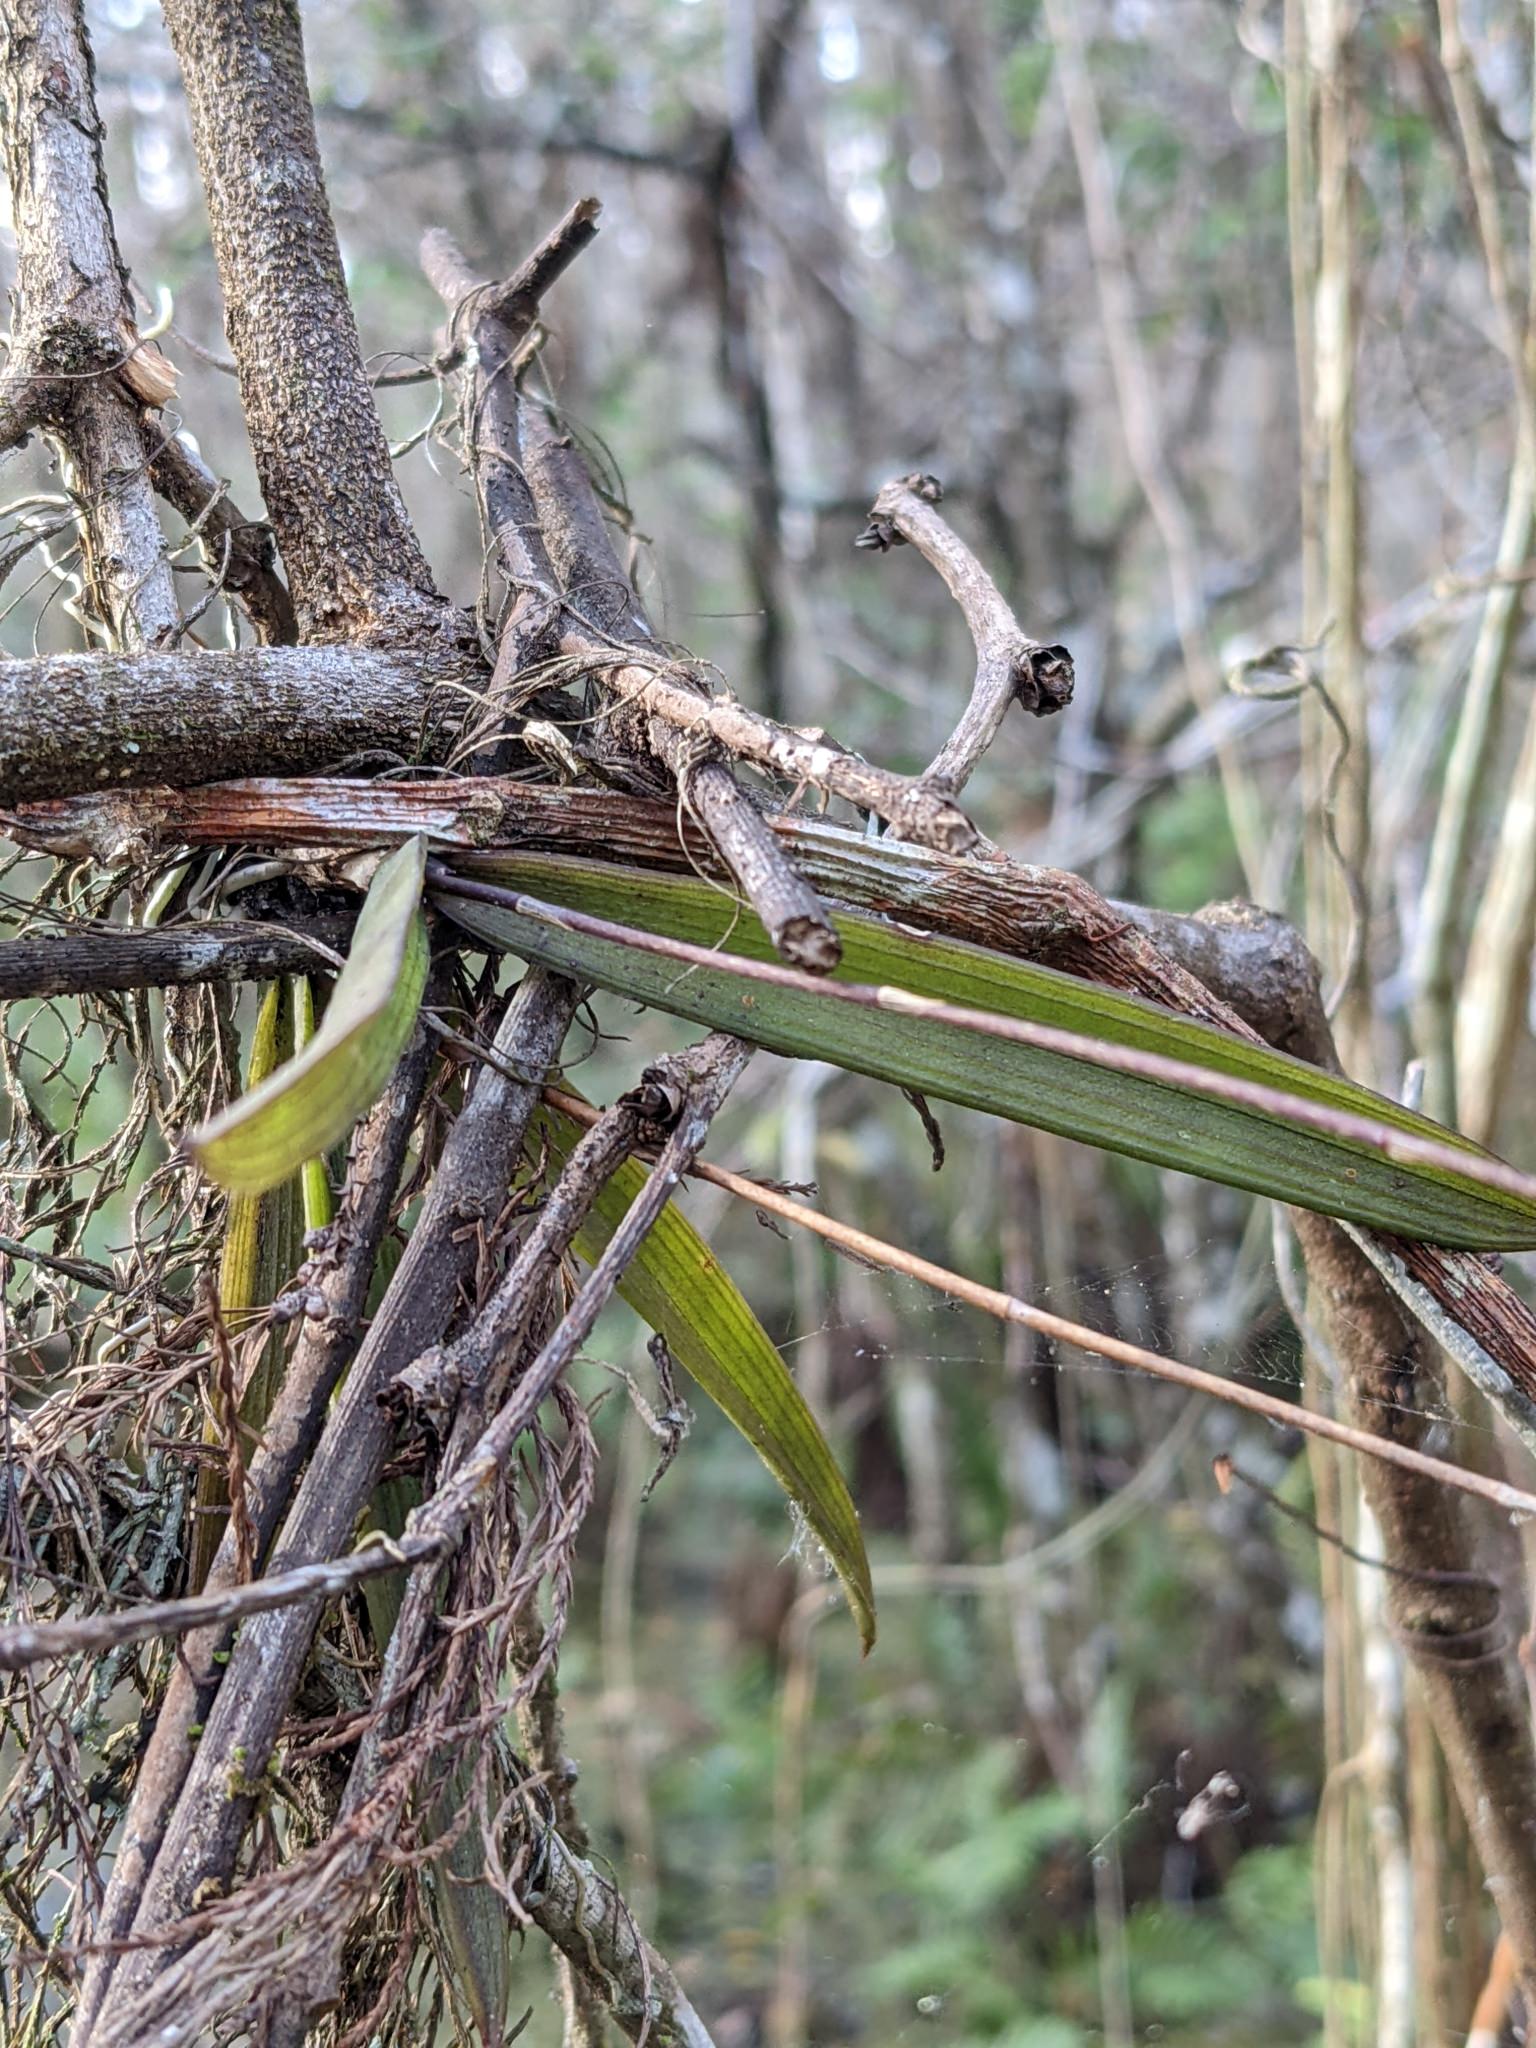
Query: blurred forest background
(1212, 319)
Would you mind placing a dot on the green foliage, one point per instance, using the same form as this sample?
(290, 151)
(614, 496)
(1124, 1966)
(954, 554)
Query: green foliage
(677, 1284)
(267, 1134)
(1255, 1148)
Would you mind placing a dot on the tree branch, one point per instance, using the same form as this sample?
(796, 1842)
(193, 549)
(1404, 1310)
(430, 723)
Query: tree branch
(72, 722)
(787, 906)
(321, 455)
(77, 357)
(1043, 914)
(539, 504)
(1010, 666)
(340, 1274)
(1476, 1703)
(82, 960)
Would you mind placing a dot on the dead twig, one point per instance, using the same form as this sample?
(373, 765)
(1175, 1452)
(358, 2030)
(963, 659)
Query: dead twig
(1011, 667)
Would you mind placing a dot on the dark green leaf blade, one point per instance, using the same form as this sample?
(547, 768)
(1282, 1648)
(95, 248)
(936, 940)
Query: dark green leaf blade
(677, 1286)
(1151, 1120)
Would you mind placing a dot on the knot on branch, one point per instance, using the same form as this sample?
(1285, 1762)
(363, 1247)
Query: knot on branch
(658, 1098)
(1043, 678)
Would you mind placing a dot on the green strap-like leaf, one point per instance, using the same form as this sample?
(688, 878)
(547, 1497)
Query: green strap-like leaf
(677, 1285)
(1242, 1146)
(313, 1100)
(314, 1182)
(260, 1255)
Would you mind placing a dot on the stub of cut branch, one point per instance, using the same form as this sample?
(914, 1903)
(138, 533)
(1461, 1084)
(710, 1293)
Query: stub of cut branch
(1011, 667)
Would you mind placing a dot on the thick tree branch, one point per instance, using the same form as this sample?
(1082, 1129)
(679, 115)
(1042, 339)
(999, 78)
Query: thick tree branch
(1011, 668)
(82, 960)
(73, 722)
(1043, 914)
(321, 456)
(76, 352)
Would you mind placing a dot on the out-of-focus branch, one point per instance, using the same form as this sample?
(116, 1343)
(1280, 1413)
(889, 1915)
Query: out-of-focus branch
(1011, 668)
(76, 357)
(353, 562)
(1469, 1047)
(1340, 859)
(1139, 412)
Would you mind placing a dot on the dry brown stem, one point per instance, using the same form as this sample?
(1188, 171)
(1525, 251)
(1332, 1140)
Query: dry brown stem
(467, 1193)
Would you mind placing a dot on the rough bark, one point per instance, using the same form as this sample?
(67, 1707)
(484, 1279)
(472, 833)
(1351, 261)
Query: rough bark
(788, 907)
(72, 722)
(1044, 914)
(353, 562)
(75, 961)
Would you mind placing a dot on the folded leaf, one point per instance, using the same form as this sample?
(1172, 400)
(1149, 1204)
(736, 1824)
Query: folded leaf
(677, 1286)
(1244, 1147)
(314, 1099)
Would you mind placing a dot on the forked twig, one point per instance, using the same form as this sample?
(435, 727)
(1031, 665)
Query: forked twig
(1011, 667)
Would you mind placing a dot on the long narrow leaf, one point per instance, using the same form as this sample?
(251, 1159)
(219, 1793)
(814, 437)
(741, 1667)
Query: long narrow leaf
(260, 1256)
(677, 1286)
(1246, 1147)
(314, 1099)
